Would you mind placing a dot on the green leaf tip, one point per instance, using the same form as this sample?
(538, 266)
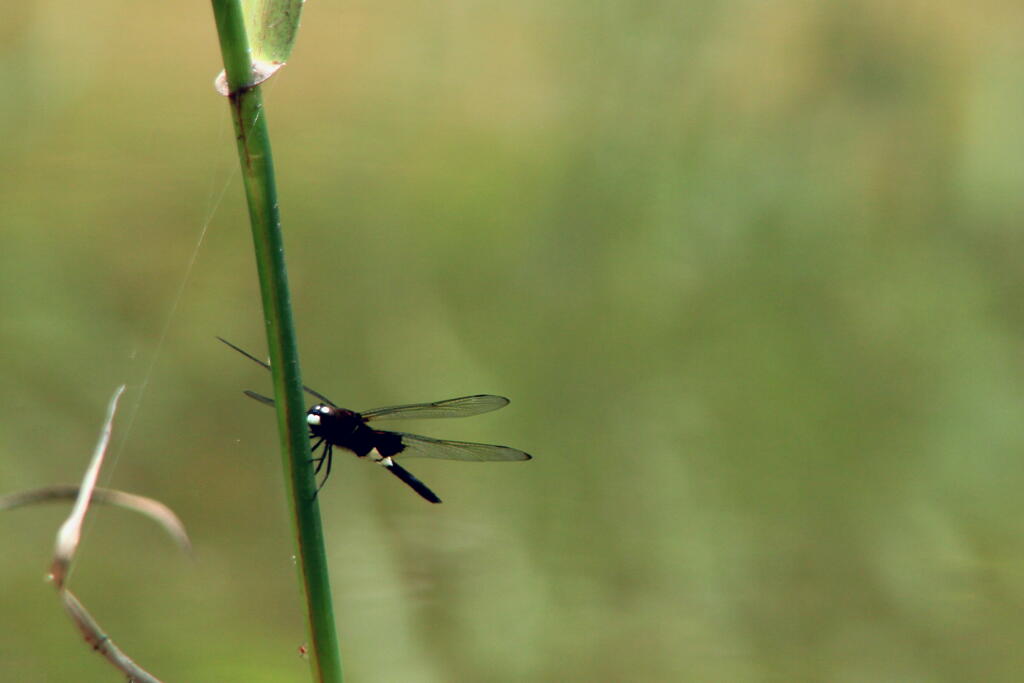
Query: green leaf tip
(271, 27)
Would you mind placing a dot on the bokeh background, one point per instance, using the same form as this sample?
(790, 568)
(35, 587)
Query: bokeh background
(751, 273)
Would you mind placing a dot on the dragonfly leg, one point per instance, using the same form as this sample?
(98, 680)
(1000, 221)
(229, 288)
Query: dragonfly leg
(329, 457)
(318, 460)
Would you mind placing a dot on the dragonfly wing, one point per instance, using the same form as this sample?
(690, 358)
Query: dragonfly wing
(259, 397)
(463, 406)
(317, 394)
(245, 353)
(311, 392)
(416, 446)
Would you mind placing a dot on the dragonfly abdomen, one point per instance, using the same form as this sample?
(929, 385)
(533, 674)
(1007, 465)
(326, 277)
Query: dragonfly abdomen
(388, 443)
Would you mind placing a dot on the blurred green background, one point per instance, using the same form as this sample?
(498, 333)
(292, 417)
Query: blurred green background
(750, 272)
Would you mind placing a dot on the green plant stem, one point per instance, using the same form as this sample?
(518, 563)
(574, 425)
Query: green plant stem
(258, 173)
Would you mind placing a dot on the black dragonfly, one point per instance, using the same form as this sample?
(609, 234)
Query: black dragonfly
(331, 426)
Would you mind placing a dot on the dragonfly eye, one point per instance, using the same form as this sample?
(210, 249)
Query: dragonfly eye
(316, 414)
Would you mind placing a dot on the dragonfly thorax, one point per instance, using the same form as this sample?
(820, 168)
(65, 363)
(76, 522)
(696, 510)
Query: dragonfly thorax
(331, 423)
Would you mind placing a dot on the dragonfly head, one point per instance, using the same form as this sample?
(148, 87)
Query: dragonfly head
(316, 415)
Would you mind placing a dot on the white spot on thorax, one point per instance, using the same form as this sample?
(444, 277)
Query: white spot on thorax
(313, 419)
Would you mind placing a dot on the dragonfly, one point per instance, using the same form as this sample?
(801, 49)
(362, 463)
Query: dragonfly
(331, 426)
